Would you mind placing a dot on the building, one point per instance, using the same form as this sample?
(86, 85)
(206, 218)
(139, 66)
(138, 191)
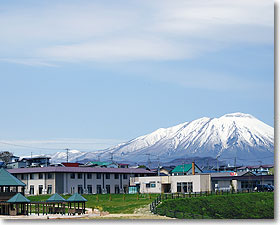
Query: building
(258, 170)
(186, 169)
(70, 180)
(38, 161)
(9, 185)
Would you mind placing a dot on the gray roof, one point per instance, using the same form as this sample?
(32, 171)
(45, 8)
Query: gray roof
(227, 174)
(78, 170)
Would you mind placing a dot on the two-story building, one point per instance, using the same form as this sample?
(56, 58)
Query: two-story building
(69, 180)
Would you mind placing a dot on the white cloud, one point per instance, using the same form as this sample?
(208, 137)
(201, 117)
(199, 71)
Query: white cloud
(129, 31)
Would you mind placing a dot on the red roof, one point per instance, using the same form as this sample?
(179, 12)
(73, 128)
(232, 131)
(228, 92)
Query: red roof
(71, 164)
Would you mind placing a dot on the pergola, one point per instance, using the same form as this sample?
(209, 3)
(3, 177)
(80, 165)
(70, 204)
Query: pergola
(55, 204)
(77, 201)
(9, 185)
(18, 205)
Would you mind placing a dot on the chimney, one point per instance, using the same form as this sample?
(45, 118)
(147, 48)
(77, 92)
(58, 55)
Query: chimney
(193, 168)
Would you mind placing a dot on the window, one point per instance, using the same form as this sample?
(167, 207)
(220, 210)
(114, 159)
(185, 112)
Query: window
(31, 176)
(80, 189)
(179, 187)
(108, 189)
(125, 176)
(153, 184)
(50, 175)
(185, 187)
(190, 187)
(107, 175)
(117, 189)
(40, 175)
(31, 189)
(148, 185)
(89, 176)
(116, 176)
(98, 188)
(98, 176)
(40, 189)
(80, 175)
(89, 188)
(72, 175)
(23, 176)
(49, 190)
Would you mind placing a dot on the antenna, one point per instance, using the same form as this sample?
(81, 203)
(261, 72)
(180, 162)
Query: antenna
(31, 155)
(67, 154)
(158, 166)
(235, 164)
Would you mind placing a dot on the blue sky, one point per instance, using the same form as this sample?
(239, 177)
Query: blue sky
(91, 74)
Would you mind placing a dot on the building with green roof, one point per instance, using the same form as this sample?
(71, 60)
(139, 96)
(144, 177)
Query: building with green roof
(76, 200)
(186, 169)
(9, 185)
(18, 198)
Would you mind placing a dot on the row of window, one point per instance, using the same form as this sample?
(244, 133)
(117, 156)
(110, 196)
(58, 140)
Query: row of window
(98, 176)
(31, 176)
(184, 186)
(31, 189)
(151, 185)
(98, 189)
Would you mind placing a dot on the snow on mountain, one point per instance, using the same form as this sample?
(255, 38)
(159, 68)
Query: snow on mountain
(232, 135)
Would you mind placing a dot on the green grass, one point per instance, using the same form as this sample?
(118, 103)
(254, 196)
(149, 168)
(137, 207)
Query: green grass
(235, 206)
(116, 205)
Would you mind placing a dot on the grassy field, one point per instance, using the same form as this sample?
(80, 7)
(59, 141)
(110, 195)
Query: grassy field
(114, 203)
(236, 206)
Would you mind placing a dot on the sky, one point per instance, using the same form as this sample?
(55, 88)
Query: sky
(88, 75)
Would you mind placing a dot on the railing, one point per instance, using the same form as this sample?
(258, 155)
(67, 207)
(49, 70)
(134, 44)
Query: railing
(182, 214)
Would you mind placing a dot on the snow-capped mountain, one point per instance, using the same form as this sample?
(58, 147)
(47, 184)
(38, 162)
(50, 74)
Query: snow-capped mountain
(233, 135)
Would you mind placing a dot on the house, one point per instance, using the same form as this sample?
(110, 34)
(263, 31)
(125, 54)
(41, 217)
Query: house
(258, 170)
(101, 164)
(87, 180)
(38, 161)
(186, 169)
(166, 169)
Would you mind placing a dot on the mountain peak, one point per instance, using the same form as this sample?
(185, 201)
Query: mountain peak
(238, 114)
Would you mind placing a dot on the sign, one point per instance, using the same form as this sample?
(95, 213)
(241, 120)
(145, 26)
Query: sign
(233, 174)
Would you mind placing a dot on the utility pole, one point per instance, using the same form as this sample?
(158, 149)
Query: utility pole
(67, 154)
(217, 163)
(98, 156)
(158, 166)
(31, 155)
(149, 160)
(112, 154)
(235, 164)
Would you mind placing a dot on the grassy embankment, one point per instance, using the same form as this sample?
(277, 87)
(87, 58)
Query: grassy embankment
(236, 206)
(114, 203)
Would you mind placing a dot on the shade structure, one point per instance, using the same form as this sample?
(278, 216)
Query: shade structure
(55, 198)
(76, 198)
(18, 198)
(7, 179)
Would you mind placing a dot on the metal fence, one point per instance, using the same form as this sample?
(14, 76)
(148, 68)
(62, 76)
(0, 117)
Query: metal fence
(185, 215)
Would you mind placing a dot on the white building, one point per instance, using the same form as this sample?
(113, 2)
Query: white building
(83, 180)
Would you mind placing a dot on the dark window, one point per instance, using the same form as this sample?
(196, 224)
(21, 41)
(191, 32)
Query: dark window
(40, 189)
(31, 189)
(116, 176)
(49, 190)
(80, 189)
(50, 175)
(190, 187)
(117, 189)
(107, 175)
(179, 189)
(98, 189)
(89, 176)
(80, 175)
(153, 184)
(22, 176)
(108, 189)
(40, 176)
(98, 176)
(148, 185)
(89, 188)
(185, 187)
(31, 176)
(72, 175)
(125, 176)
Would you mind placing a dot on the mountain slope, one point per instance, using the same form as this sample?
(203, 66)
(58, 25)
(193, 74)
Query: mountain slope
(232, 135)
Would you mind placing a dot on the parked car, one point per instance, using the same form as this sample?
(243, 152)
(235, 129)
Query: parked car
(264, 187)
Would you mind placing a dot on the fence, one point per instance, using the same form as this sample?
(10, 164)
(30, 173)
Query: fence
(182, 214)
